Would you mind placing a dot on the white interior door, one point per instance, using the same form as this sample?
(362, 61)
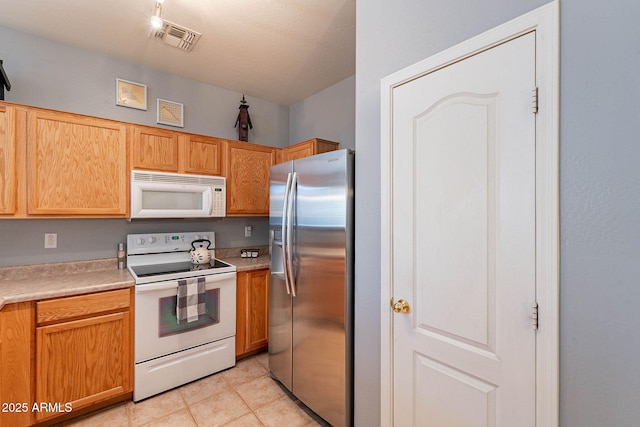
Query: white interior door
(464, 241)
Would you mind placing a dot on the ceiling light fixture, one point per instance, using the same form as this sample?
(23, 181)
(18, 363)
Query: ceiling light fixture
(156, 19)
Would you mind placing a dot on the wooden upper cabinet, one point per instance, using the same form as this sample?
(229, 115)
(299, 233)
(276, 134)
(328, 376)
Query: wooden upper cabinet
(165, 150)
(77, 165)
(248, 168)
(154, 149)
(308, 148)
(203, 155)
(7, 161)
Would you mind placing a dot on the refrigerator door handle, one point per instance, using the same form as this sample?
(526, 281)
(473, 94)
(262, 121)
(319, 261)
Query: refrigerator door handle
(287, 193)
(289, 231)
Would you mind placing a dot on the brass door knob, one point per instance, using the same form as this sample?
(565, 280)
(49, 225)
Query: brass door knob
(401, 306)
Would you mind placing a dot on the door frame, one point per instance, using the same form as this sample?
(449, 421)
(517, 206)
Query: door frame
(545, 22)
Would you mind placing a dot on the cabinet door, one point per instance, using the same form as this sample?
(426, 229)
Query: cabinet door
(17, 345)
(248, 178)
(298, 151)
(203, 155)
(7, 161)
(77, 165)
(308, 148)
(154, 149)
(83, 362)
(252, 326)
(257, 309)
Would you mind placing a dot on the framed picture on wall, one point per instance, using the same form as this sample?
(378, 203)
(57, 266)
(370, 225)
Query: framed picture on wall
(170, 113)
(131, 94)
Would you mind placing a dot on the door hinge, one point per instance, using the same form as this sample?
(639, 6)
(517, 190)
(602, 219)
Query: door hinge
(534, 100)
(534, 316)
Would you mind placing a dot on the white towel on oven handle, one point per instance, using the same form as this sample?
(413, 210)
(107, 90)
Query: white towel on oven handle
(190, 300)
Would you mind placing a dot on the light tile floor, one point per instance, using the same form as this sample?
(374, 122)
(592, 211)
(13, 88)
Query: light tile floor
(241, 396)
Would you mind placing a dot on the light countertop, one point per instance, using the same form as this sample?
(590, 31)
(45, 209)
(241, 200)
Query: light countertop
(246, 264)
(43, 281)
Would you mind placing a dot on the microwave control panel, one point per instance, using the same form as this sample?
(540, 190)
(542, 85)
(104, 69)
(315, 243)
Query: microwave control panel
(218, 201)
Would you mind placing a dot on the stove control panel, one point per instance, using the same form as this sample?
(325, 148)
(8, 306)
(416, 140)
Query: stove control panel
(153, 243)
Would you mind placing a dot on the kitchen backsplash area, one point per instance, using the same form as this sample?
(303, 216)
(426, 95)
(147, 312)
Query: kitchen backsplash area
(22, 242)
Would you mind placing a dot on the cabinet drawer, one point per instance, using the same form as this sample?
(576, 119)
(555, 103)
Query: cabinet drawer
(55, 310)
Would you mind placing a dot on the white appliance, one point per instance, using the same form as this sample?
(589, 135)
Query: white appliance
(173, 195)
(169, 353)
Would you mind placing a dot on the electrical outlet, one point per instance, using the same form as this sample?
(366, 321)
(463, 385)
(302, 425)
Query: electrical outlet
(247, 231)
(50, 240)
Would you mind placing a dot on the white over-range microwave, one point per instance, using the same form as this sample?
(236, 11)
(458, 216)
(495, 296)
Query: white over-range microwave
(172, 195)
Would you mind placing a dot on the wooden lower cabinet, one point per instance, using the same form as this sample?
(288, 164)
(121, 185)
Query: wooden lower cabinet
(73, 355)
(82, 362)
(17, 350)
(252, 308)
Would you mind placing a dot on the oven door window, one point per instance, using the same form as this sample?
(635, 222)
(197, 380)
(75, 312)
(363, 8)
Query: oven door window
(168, 322)
(170, 200)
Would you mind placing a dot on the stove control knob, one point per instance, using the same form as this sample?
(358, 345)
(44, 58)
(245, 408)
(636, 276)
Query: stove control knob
(140, 241)
(151, 240)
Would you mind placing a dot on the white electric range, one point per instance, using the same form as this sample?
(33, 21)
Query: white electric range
(169, 353)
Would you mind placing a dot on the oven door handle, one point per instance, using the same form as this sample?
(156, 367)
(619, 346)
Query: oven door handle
(173, 284)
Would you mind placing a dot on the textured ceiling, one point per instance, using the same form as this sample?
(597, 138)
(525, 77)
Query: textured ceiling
(278, 50)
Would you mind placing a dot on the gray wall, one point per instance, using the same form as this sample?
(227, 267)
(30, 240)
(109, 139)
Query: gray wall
(329, 114)
(22, 240)
(599, 185)
(52, 75)
(600, 213)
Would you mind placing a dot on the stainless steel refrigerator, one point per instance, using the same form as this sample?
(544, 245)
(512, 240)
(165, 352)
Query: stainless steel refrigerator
(311, 287)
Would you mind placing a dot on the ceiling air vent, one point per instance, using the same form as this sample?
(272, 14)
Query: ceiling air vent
(177, 36)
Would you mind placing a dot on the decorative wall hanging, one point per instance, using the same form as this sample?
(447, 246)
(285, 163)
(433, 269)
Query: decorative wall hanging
(170, 113)
(243, 122)
(131, 94)
(4, 81)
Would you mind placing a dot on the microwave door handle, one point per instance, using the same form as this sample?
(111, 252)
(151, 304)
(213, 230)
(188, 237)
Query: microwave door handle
(289, 252)
(287, 190)
(208, 201)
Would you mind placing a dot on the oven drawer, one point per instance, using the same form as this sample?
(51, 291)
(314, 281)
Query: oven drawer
(160, 374)
(80, 306)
